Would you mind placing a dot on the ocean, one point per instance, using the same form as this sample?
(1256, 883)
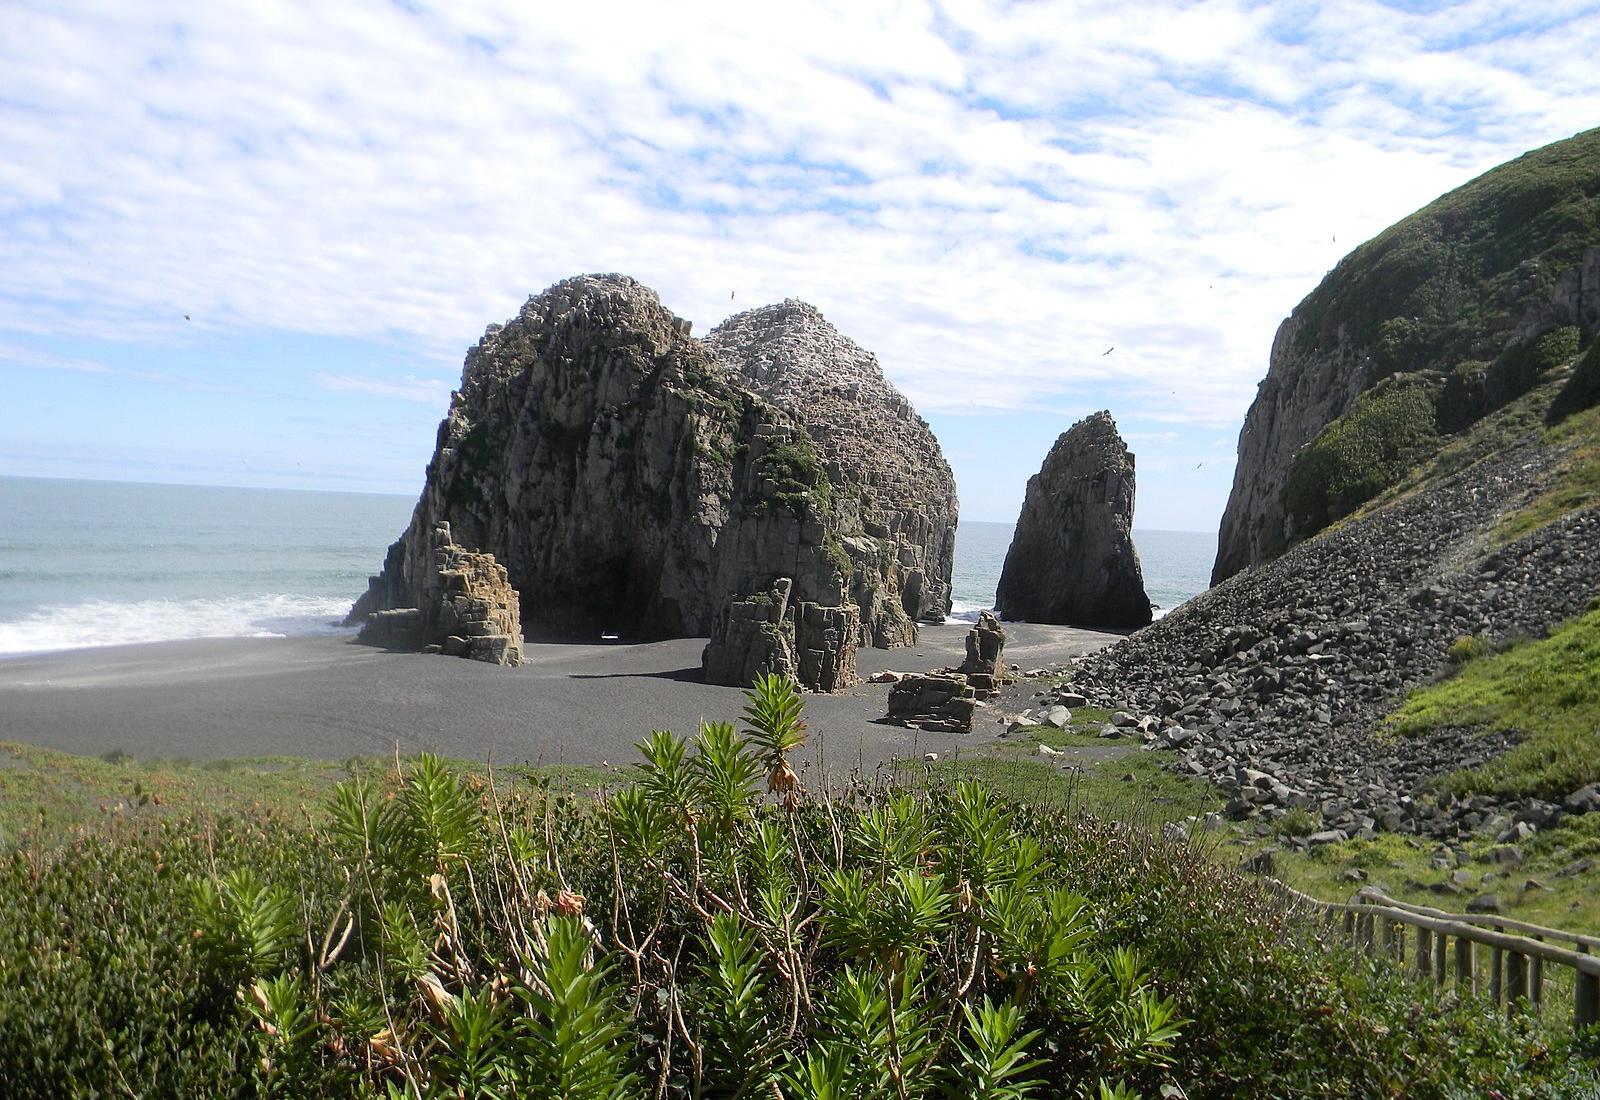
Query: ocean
(92, 563)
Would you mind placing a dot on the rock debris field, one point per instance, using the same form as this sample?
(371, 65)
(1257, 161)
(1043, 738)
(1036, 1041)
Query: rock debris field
(1272, 685)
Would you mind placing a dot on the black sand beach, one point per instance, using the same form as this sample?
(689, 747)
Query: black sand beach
(329, 698)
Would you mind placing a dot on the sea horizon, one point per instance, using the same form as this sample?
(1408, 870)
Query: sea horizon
(97, 562)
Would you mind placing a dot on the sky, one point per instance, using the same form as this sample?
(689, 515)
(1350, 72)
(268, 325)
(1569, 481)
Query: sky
(250, 243)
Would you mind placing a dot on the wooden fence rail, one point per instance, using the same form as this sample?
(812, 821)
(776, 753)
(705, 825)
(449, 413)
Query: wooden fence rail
(1444, 948)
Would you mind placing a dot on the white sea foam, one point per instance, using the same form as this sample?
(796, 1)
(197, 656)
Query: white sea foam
(965, 611)
(104, 622)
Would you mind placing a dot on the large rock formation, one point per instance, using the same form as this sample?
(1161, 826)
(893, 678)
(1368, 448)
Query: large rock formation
(1072, 558)
(890, 480)
(1464, 284)
(631, 485)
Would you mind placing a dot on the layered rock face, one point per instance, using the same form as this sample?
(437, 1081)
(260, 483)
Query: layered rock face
(891, 483)
(466, 607)
(941, 701)
(1499, 262)
(985, 663)
(764, 634)
(1072, 558)
(630, 485)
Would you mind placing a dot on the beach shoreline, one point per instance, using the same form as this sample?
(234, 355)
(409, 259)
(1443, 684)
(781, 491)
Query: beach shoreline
(330, 698)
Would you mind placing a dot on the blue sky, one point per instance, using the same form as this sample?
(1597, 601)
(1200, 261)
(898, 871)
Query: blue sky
(249, 243)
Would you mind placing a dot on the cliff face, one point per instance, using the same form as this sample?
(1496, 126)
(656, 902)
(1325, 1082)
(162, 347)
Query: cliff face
(1302, 394)
(629, 484)
(893, 489)
(1464, 288)
(1072, 558)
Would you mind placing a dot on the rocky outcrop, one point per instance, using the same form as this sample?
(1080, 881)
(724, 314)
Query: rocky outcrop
(754, 638)
(466, 608)
(1072, 558)
(890, 480)
(765, 634)
(632, 486)
(985, 663)
(941, 701)
(1493, 265)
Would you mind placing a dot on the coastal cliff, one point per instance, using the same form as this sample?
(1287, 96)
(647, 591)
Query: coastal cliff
(632, 485)
(1072, 558)
(1418, 490)
(1471, 301)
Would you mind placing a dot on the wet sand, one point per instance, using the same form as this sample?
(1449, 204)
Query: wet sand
(329, 698)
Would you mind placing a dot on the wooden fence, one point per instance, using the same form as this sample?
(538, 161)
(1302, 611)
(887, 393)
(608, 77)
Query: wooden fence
(1476, 954)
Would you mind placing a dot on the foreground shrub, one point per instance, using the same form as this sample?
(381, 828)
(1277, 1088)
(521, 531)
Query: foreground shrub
(691, 934)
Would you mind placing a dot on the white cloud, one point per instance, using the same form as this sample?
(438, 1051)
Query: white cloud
(985, 194)
(428, 391)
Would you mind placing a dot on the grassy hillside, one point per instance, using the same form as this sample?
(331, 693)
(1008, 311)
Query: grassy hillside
(1423, 293)
(1435, 299)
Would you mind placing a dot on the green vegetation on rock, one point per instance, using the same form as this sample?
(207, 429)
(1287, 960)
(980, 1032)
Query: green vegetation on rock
(1421, 294)
(1389, 429)
(1520, 367)
(800, 483)
(1548, 689)
(1582, 390)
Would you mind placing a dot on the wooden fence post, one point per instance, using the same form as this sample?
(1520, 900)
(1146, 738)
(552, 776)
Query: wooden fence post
(1516, 979)
(1424, 957)
(1441, 945)
(1536, 980)
(1495, 966)
(1586, 1008)
(1466, 967)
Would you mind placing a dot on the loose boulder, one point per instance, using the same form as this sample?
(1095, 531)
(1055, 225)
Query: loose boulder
(942, 701)
(1072, 559)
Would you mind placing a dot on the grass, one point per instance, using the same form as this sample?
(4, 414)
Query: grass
(48, 794)
(1549, 689)
(1576, 486)
(1119, 782)
(1402, 866)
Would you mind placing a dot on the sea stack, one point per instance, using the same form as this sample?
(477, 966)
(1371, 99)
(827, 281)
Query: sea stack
(1072, 559)
(631, 484)
(882, 460)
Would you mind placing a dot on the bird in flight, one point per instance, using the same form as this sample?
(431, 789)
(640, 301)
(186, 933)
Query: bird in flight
(185, 316)
(1108, 351)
